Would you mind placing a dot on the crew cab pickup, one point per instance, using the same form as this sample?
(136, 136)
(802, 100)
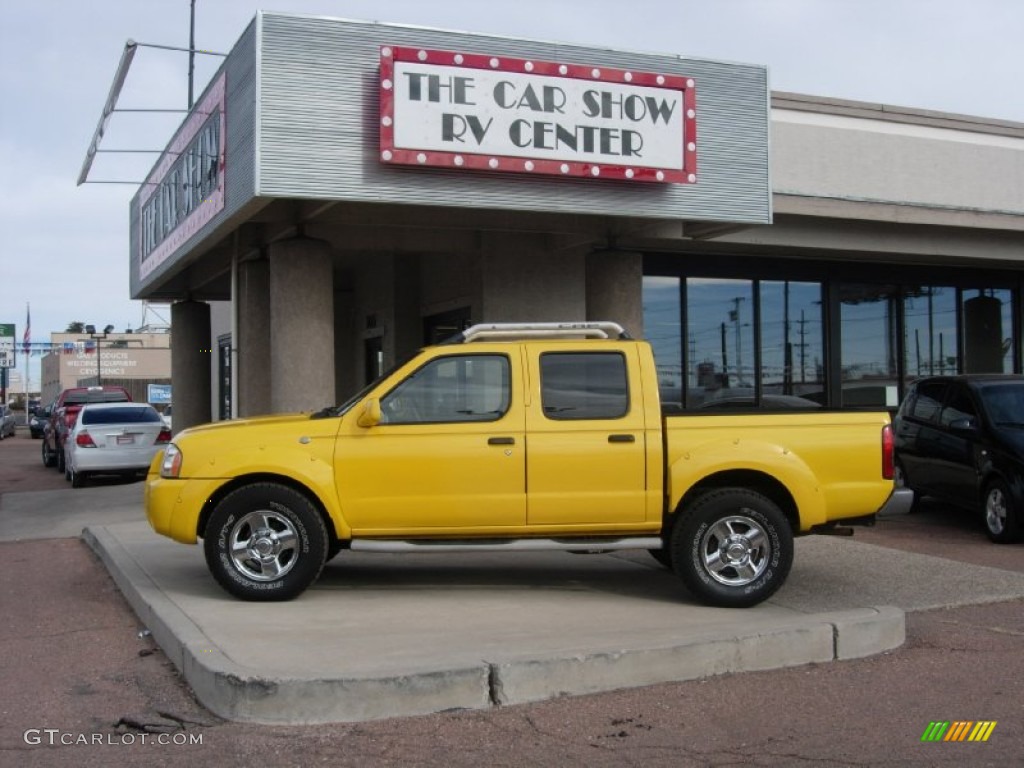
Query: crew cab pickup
(64, 414)
(521, 437)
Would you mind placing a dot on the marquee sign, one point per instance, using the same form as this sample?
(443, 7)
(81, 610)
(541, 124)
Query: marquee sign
(464, 110)
(186, 189)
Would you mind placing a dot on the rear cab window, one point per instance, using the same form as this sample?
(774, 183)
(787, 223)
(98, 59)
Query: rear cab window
(584, 385)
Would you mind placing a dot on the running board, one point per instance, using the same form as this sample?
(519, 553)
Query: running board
(588, 544)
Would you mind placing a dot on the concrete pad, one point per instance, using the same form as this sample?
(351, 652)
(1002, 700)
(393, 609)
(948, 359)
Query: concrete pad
(385, 635)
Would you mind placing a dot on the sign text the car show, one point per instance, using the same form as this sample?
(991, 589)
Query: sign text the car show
(462, 110)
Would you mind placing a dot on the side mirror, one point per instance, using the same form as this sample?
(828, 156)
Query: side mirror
(370, 416)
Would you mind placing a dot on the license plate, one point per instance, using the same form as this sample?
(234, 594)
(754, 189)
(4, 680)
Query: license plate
(125, 439)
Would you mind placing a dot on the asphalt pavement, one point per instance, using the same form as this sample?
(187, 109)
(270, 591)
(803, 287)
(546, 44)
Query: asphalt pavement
(72, 650)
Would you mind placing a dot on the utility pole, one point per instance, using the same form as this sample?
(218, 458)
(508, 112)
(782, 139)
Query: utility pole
(191, 50)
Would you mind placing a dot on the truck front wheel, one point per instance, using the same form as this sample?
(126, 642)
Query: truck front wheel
(265, 542)
(732, 548)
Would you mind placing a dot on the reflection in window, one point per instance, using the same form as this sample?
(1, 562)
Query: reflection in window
(458, 388)
(792, 342)
(929, 339)
(720, 324)
(868, 365)
(958, 408)
(663, 328)
(928, 400)
(988, 331)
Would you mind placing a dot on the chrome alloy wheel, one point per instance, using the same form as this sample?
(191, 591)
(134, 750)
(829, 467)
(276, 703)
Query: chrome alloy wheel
(735, 550)
(263, 545)
(995, 510)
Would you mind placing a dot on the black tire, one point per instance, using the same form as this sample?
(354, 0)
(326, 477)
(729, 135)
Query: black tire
(77, 479)
(663, 556)
(760, 554)
(49, 457)
(333, 548)
(61, 466)
(277, 521)
(1001, 515)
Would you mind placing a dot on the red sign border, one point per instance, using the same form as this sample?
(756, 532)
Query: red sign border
(389, 154)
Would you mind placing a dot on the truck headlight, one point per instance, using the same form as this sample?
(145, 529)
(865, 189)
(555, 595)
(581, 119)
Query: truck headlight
(171, 465)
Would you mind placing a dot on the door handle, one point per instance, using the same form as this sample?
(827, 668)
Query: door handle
(501, 441)
(621, 438)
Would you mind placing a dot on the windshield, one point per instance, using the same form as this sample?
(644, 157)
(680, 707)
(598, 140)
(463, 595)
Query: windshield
(1004, 402)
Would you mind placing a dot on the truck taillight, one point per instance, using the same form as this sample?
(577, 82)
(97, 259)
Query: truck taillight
(888, 463)
(84, 440)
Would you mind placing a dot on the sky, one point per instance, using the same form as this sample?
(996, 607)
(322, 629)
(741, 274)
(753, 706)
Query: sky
(64, 247)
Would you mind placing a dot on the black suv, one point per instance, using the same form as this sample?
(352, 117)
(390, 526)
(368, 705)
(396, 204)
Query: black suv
(961, 440)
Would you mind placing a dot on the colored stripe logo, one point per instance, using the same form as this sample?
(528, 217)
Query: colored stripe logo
(959, 730)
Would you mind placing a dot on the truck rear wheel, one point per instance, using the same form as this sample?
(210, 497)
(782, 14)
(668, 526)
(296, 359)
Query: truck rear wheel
(732, 548)
(265, 542)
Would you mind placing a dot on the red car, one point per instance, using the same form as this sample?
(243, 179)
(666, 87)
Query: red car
(64, 413)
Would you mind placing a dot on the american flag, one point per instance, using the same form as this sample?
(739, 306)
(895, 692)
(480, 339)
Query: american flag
(26, 339)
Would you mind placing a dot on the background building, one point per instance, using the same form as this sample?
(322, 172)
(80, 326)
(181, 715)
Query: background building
(344, 192)
(131, 360)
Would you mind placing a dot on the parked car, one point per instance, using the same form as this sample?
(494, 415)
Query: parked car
(37, 422)
(168, 416)
(113, 438)
(63, 413)
(961, 439)
(8, 427)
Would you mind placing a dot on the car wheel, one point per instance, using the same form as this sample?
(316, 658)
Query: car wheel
(265, 542)
(77, 479)
(732, 548)
(49, 457)
(899, 478)
(1002, 519)
(60, 460)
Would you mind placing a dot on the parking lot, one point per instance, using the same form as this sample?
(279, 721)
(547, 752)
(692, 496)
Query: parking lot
(73, 661)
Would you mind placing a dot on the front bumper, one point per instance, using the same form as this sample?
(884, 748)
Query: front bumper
(174, 506)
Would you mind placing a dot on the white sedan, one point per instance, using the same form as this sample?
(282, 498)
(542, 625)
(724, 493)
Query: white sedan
(113, 438)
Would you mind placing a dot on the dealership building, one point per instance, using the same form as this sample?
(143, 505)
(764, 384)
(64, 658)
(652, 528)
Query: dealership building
(344, 192)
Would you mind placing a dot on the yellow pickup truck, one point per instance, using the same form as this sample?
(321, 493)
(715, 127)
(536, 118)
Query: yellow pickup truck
(544, 436)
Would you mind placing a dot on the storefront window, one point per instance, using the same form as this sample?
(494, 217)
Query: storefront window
(720, 341)
(868, 343)
(663, 328)
(792, 343)
(988, 331)
(929, 335)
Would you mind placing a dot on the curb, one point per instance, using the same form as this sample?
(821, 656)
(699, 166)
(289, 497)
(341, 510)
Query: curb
(234, 692)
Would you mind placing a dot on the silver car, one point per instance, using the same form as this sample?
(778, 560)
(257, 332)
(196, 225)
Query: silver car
(8, 428)
(113, 438)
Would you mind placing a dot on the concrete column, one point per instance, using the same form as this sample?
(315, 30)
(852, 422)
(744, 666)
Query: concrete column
(253, 341)
(301, 326)
(191, 356)
(615, 289)
(523, 282)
